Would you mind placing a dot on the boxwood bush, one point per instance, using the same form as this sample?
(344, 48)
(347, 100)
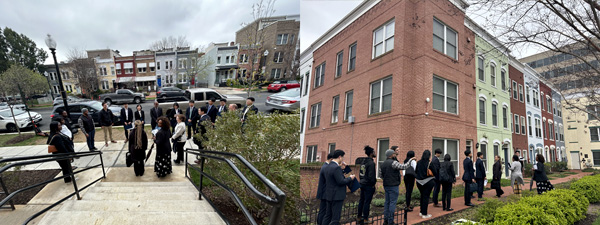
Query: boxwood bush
(588, 186)
(522, 213)
(486, 212)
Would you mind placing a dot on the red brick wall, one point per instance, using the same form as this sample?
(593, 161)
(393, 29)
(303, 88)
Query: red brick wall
(412, 64)
(548, 115)
(517, 107)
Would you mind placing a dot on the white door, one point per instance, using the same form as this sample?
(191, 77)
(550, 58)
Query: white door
(575, 161)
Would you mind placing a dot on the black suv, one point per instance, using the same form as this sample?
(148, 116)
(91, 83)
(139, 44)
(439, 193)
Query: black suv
(169, 92)
(94, 108)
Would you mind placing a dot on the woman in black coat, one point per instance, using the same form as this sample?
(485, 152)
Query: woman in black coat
(447, 178)
(162, 166)
(138, 143)
(539, 175)
(425, 182)
(139, 114)
(62, 144)
(497, 174)
(409, 179)
(172, 114)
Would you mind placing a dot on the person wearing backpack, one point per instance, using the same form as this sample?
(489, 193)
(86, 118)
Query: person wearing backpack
(368, 180)
(435, 163)
(447, 178)
(409, 178)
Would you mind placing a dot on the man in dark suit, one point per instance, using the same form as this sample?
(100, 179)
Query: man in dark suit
(222, 107)
(191, 115)
(479, 175)
(468, 177)
(435, 163)
(127, 118)
(249, 107)
(200, 128)
(212, 110)
(321, 190)
(496, 175)
(335, 188)
(154, 114)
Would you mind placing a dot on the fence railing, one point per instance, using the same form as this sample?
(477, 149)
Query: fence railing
(349, 213)
(30, 160)
(278, 202)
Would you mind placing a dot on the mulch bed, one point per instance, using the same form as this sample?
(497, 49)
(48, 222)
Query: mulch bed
(227, 207)
(14, 180)
(19, 138)
(591, 215)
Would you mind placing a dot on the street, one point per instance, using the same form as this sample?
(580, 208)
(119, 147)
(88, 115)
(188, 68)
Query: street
(260, 97)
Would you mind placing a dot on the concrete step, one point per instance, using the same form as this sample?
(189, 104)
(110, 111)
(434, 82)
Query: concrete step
(138, 206)
(120, 218)
(143, 184)
(95, 196)
(144, 189)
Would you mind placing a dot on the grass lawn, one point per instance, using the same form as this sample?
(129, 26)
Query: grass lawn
(33, 140)
(150, 98)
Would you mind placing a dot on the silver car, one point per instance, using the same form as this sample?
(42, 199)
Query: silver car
(7, 121)
(285, 101)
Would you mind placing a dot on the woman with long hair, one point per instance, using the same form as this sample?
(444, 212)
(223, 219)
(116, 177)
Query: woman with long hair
(137, 147)
(425, 181)
(179, 137)
(447, 178)
(541, 180)
(516, 177)
(61, 142)
(409, 178)
(162, 166)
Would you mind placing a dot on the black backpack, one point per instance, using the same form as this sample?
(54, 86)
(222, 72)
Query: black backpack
(444, 176)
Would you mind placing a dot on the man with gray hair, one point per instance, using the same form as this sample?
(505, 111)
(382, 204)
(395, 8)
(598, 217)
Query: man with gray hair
(233, 107)
(86, 124)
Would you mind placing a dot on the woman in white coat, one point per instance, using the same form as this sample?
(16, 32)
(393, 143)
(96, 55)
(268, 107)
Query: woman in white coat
(179, 138)
(516, 177)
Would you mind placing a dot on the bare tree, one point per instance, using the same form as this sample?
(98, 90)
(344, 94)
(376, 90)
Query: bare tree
(199, 69)
(170, 42)
(252, 43)
(84, 70)
(570, 29)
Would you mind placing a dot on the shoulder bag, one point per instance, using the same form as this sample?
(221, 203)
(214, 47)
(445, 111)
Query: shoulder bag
(429, 172)
(52, 148)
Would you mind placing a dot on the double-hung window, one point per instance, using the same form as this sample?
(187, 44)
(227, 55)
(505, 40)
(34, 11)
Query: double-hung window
(319, 75)
(494, 114)
(515, 90)
(493, 74)
(505, 117)
(381, 96)
(352, 57)
(529, 125)
(523, 124)
(503, 79)
(445, 39)
(383, 39)
(349, 99)
(482, 111)
(480, 71)
(445, 95)
(339, 61)
(520, 92)
(315, 115)
(594, 133)
(516, 121)
(335, 109)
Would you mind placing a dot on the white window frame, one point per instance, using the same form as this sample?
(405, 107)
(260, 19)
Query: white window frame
(523, 126)
(276, 73)
(536, 99)
(311, 157)
(516, 123)
(529, 125)
(446, 96)
(319, 75)
(493, 74)
(521, 93)
(481, 69)
(445, 39)
(282, 39)
(494, 121)
(527, 94)
(315, 115)
(348, 105)
(503, 79)
(380, 156)
(505, 117)
(445, 151)
(381, 81)
(350, 58)
(335, 109)
(339, 64)
(484, 121)
(383, 28)
(277, 57)
(515, 90)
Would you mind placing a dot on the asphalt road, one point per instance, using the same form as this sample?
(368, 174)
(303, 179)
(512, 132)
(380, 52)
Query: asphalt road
(261, 98)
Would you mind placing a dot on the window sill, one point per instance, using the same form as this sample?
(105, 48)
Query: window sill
(313, 128)
(335, 123)
(337, 77)
(445, 113)
(447, 56)
(382, 55)
(379, 113)
(350, 71)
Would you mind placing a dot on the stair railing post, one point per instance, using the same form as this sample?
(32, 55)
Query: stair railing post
(186, 164)
(202, 159)
(12, 205)
(102, 162)
(75, 184)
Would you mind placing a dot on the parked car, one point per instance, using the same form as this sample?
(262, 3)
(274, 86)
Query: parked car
(286, 100)
(59, 100)
(7, 121)
(169, 92)
(201, 97)
(3, 105)
(123, 96)
(94, 108)
(282, 85)
(173, 99)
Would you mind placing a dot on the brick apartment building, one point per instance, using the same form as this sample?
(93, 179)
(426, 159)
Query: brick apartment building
(547, 122)
(125, 71)
(145, 65)
(520, 130)
(399, 82)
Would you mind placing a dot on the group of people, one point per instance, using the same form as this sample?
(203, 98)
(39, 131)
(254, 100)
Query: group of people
(429, 173)
(169, 136)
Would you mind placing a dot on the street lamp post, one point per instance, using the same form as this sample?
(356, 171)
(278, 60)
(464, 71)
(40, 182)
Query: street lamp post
(52, 46)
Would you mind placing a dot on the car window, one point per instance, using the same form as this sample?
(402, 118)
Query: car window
(199, 96)
(277, 82)
(120, 92)
(187, 94)
(291, 93)
(168, 89)
(6, 113)
(212, 94)
(293, 82)
(75, 108)
(96, 105)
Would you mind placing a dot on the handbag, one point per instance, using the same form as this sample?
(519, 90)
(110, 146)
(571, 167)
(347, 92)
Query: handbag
(473, 187)
(410, 170)
(128, 160)
(429, 172)
(495, 184)
(52, 148)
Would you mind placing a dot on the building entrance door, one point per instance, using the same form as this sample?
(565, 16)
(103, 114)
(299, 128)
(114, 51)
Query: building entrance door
(575, 161)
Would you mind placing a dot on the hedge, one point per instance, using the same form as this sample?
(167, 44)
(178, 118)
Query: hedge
(522, 213)
(588, 186)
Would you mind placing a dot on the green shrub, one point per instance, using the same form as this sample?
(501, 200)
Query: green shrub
(560, 166)
(486, 212)
(522, 213)
(378, 202)
(589, 186)
(548, 168)
(416, 194)
(571, 203)
(401, 199)
(547, 205)
(527, 172)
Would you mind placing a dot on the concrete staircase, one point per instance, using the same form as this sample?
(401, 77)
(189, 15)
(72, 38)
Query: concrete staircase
(135, 203)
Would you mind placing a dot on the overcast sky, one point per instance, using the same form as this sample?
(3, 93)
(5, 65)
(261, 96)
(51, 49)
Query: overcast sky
(318, 16)
(129, 25)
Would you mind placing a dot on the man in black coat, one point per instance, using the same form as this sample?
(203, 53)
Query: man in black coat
(497, 174)
(222, 107)
(468, 177)
(435, 163)
(155, 112)
(211, 110)
(368, 180)
(335, 188)
(191, 115)
(479, 175)
(201, 128)
(127, 118)
(321, 190)
(249, 107)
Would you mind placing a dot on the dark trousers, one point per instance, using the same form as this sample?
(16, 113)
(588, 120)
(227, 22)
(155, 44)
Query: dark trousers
(409, 184)
(446, 194)
(65, 165)
(153, 124)
(126, 133)
(364, 204)
(479, 187)
(425, 192)
(90, 139)
(179, 146)
(436, 191)
(138, 168)
(191, 129)
(468, 192)
(499, 191)
(333, 212)
(322, 211)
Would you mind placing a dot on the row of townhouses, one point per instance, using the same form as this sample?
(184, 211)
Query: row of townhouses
(148, 70)
(383, 77)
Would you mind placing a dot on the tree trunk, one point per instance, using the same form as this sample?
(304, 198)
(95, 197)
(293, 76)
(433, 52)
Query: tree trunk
(15, 119)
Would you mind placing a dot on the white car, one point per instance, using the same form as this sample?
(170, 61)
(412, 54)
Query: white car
(7, 121)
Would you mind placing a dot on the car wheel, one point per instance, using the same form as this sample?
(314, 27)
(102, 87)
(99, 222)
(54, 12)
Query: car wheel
(11, 127)
(137, 100)
(282, 89)
(108, 101)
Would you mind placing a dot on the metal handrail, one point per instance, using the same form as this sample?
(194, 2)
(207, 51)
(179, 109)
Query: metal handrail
(30, 160)
(278, 202)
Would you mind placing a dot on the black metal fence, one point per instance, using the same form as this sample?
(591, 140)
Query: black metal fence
(349, 213)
